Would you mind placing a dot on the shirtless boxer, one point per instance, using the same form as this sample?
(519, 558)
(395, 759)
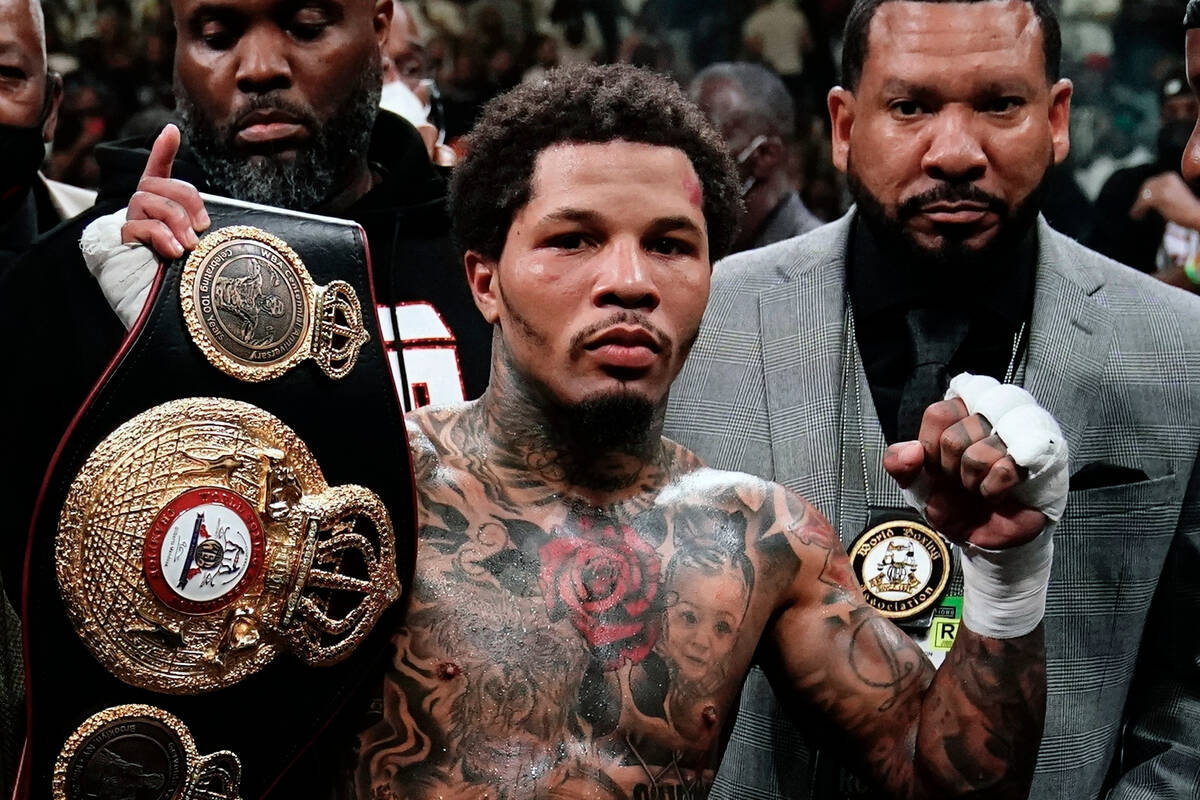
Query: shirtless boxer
(589, 595)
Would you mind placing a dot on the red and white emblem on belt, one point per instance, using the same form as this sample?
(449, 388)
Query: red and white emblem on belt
(204, 550)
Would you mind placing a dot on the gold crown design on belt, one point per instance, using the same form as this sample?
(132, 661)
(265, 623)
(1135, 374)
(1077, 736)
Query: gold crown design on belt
(200, 539)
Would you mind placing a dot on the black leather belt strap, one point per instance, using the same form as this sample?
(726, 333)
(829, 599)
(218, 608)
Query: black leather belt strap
(355, 430)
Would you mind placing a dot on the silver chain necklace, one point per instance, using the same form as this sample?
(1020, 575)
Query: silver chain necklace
(850, 365)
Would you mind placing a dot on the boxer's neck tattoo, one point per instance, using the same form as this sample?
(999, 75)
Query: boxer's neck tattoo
(603, 444)
(559, 647)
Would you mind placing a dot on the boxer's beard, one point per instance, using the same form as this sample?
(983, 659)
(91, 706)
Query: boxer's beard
(892, 234)
(614, 423)
(322, 165)
(603, 441)
(600, 441)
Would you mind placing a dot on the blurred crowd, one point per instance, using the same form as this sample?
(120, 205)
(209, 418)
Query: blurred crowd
(115, 57)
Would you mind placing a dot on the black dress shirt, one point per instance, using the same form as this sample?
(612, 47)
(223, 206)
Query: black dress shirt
(883, 287)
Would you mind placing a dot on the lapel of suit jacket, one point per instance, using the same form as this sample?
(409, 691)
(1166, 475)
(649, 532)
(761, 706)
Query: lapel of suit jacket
(803, 338)
(1069, 338)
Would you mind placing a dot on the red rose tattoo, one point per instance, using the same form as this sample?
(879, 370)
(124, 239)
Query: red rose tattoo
(606, 581)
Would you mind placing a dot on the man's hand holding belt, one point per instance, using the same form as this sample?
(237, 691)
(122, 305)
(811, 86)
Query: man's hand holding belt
(123, 249)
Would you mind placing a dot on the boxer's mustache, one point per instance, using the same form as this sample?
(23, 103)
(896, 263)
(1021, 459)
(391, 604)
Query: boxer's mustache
(665, 343)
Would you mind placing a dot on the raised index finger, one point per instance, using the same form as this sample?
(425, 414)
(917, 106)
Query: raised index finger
(162, 153)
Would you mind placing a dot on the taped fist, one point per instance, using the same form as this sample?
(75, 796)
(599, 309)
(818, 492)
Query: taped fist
(989, 467)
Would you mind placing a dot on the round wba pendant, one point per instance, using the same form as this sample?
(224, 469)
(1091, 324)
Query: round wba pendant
(903, 567)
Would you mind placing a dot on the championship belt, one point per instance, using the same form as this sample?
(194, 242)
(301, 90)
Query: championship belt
(254, 311)
(243, 557)
(224, 537)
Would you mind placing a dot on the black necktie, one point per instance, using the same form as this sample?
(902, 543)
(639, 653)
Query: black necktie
(935, 335)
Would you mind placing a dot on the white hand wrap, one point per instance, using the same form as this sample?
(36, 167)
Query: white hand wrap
(125, 272)
(1004, 591)
(1031, 435)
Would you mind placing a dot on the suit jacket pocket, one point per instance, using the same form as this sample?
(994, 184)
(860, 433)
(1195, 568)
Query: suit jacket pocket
(1109, 550)
(1123, 498)
(1101, 473)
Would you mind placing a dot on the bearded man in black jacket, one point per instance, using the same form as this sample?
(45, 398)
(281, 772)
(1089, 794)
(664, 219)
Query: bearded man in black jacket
(279, 105)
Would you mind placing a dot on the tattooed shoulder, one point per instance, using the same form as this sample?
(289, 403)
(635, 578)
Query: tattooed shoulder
(444, 428)
(784, 528)
(423, 452)
(680, 459)
(821, 571)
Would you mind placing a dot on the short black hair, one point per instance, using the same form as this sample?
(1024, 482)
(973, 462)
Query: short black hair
(1191, 17)
(589, 104)
(858, 24)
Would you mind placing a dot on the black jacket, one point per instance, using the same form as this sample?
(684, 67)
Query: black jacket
(1134, 242)
(61, 333)
(34, 215)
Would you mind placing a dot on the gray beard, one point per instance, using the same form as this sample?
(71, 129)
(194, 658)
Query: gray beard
(319, 169)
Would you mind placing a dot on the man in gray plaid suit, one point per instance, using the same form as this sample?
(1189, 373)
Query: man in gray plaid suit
(818, 351)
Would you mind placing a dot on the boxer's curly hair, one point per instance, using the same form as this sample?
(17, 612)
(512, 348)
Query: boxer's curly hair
(1191, 16)
(592, 104)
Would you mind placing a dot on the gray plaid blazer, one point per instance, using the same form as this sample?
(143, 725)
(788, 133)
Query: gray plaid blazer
(1115, 356)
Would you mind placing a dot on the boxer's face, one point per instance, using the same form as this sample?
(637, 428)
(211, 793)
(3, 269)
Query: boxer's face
(1191, 156)
(604, 273)
(953, 125)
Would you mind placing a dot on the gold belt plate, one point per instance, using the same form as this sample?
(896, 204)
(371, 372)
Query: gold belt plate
(142, 751)
(255, 312)
(200, 539)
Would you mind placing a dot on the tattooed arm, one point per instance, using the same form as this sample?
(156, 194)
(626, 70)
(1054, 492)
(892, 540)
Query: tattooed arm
(971, 728)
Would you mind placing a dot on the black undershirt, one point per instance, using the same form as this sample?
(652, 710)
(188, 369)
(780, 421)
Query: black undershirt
(884, 287)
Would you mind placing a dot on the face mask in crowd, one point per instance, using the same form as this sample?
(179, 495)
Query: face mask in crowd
(24, 151)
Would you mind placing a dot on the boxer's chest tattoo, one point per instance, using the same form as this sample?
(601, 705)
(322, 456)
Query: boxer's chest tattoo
(555, 649)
